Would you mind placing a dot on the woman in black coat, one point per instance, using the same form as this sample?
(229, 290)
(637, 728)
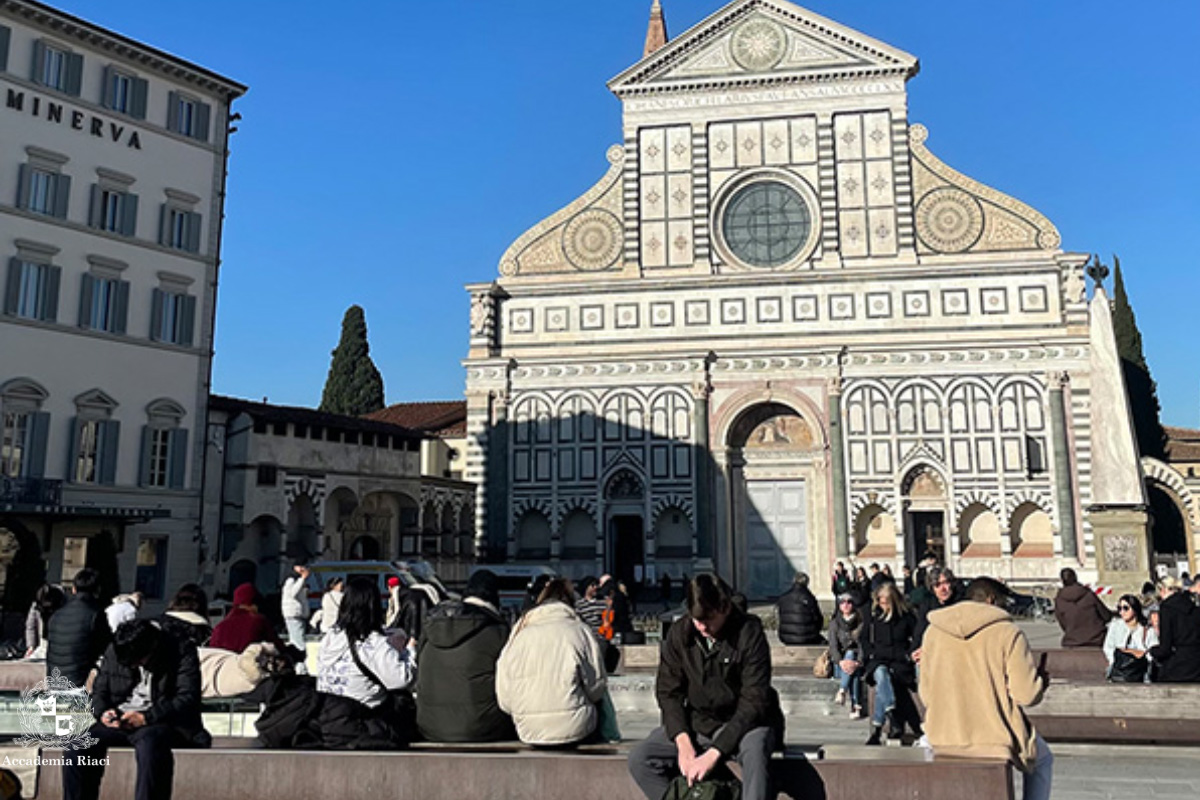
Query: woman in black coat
(1177, 653)
(886, 642)
(800, 617)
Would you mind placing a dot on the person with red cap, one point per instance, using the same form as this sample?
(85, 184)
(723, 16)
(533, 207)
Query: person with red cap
(244, 625)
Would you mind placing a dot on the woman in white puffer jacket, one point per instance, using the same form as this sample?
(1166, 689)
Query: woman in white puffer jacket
(551, 673)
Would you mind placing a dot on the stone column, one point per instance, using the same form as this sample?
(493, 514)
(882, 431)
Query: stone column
(1062, 466)
(705, 546)
(837, 470)
(497, 475)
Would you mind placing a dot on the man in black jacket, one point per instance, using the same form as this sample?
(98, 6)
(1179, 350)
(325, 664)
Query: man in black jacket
(456, 684)
(714, 689)
(800, 615)
(78, 632)
(146, 696)
(946, 591)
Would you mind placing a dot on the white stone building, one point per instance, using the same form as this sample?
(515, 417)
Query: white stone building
(286, 484)
(112, 181)
(781, 332)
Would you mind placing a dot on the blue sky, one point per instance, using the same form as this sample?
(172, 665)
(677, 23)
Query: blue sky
(389, 152)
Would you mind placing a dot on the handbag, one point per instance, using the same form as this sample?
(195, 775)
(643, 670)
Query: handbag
(823, 668)
(606, 719)
(1127, 668)
(703, 790)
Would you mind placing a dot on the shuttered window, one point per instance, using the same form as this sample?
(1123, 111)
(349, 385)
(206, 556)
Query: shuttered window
(57, 68)
(188, 116)
(94, 456)
(114, 210)
(43, 191)
(180, 229)
(5, 37)
(31, 290)
(172, 317)
(23, 443)
(125, 93)
(164, 457)
(103, 304)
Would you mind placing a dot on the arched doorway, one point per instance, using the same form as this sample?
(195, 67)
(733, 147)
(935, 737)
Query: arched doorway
(365, 548)
(243, 571)
(925, 503)
(625, 509)
(770, 455)
(1168, 527)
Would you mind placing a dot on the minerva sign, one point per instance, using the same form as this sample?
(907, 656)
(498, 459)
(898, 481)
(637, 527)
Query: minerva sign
(73, 118)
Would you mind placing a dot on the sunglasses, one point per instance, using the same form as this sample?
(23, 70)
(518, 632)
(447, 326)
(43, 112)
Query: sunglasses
(1124, 607)
(846, 602)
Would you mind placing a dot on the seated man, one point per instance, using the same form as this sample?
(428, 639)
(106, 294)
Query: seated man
(714, 689)
(146, 696)
(977, 676)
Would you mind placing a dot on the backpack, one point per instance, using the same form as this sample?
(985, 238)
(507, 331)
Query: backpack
(289, 714)
(708, 789)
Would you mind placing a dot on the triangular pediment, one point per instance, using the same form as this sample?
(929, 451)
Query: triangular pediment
(768, 40)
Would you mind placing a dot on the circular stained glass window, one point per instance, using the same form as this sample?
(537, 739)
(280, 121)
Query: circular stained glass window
(766, 224)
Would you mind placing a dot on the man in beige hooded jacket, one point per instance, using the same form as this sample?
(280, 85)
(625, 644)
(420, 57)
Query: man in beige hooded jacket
(977, 672)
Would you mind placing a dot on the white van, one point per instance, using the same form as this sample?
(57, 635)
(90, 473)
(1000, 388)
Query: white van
(410, 573)
(514, 581)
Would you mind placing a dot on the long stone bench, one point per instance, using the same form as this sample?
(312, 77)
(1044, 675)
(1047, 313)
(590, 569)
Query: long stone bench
(253, 774)
(644, 658)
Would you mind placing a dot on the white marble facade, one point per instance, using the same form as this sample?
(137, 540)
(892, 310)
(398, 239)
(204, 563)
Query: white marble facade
(779, 332)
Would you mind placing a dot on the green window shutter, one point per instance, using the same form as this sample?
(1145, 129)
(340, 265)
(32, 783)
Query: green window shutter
(62, 195)
(106, 94)
(156, 316)
(86, 291)
(179, 458)
(39, 433)
(39, 59)
(96, 212)
(139, 91)
(12, 289)
(144, 464)
(187, 324)
(194, 222)
(50, 306)
(24, 185)
(120, 312)
(203, 115)
(73, 450)
(164, 225)
(5, 35)
(110, 441)
(173, 112)
(129, 209)
(74, 77)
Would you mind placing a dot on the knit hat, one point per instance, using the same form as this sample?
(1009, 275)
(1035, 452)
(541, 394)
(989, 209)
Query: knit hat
(393, 582)
(245, 595)
(845, 596)
(484, 585)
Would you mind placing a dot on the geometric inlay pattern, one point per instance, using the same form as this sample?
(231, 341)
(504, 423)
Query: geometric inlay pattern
(593, 240)
(949, 220)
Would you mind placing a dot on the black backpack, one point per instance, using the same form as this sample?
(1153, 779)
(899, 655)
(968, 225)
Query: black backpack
(289, 717)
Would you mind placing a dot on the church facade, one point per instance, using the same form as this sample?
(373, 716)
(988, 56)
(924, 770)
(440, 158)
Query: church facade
(779, 332)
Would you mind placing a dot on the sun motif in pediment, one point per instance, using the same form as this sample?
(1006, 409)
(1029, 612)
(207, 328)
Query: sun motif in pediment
(759, 45)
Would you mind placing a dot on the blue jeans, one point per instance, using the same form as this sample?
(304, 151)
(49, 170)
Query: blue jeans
(885, 694)
(1036, 785)
(851, 683)
(295, 630)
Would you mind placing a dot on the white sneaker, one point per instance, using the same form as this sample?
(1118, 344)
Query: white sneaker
(840, 699)
(857, 713)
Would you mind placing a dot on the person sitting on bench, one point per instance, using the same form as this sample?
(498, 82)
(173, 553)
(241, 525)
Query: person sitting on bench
(714, 689)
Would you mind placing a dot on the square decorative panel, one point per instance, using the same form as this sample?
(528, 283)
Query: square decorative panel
(591, 318)
(805, 308)
(993, 301)
(955, 303)
(521, 320)
(733, 311)
(696, 312)
(626, 315)
(556, 319)
(770, 309)
(841, 306)
(1034, 299)
(916, 304)
(879, 306)
(662, 315)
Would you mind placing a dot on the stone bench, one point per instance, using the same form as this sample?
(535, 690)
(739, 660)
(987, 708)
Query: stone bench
(644, 658)
(425, 773)
(1079, 665)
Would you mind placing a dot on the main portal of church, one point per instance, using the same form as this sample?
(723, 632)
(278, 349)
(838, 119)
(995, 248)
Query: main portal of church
(779, 332)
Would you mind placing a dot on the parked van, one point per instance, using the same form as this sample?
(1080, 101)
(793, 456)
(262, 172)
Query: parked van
(410, 573)
(514, 581)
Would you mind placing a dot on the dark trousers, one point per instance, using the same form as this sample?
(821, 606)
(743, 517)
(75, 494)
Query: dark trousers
(152, 747)
(654, 763)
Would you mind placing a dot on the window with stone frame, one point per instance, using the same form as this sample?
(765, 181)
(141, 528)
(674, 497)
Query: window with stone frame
(173, 312)
(124, 92)
(42, 188)
(24, 429)
(179, 224)
(114, 207)
(164, 446)
(95, 439)
(56, 67)
(104, 296)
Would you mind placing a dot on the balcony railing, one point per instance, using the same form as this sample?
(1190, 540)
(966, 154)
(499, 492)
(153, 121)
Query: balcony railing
(30, 492)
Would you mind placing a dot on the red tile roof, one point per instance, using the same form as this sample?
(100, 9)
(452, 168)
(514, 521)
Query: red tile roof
(1183, 444)
(446, 419)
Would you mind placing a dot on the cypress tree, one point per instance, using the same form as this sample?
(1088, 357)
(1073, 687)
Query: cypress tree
(1143, 392)
(354, 385)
